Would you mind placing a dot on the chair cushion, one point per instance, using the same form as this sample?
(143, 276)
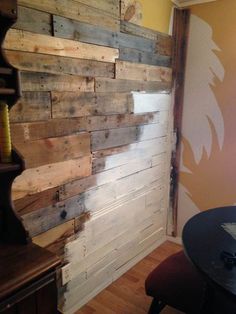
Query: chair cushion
(177, 283)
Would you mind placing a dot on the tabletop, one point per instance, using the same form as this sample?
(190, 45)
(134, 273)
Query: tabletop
(205, 236)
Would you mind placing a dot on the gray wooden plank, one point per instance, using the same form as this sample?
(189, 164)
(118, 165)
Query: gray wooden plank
(110, 85)
(71, 29)
(87, 33)
(138, 56)
(32, 106)
(41, 220)
(114, 137)
(33, 21)
(136, 42)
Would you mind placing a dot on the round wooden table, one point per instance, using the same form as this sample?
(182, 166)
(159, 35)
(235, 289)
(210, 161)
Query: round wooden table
(205, 237)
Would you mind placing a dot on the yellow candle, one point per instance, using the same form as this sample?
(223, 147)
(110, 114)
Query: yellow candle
(5, 135)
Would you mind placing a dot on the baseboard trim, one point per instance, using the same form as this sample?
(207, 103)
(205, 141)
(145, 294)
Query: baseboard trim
(176, 240)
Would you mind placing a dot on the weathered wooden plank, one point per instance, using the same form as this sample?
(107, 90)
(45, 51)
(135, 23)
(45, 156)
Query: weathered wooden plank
(136, 42)
(45, 177)
(36, 201)
(142, 72)
(44, 219)
(71, 29)
(75, 10)
(72, 104)
(32, 106)
(144, 102)
(76, 187)
(134, 29)
(114, 103)
(163, 41)
(138, 56)
(109, 6)
(142, 149)
(51, 150)
(119, 121)
(33, 81)
(36, 62)
(45, 129)
(164, 47)
(30, 42)
(123, 136)
(33, 21)
(85, 104)
(56, 238)
(114, 137)
(109, 85)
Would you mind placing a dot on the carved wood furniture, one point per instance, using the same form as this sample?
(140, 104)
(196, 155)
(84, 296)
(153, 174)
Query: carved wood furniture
(27, 272)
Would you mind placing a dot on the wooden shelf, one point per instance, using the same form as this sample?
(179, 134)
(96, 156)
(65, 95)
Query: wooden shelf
(7, 167)
(21, 264)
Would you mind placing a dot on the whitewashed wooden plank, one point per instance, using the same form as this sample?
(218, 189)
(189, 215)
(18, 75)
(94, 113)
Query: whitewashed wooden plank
(142, 149)
(144, 102)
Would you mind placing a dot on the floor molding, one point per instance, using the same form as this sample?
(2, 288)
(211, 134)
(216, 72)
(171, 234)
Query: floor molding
(176, 240)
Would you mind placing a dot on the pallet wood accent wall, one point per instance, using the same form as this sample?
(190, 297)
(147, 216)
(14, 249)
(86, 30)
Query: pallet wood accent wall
(94, 126)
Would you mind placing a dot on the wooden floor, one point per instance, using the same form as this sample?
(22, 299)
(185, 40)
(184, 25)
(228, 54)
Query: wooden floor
(127, 295)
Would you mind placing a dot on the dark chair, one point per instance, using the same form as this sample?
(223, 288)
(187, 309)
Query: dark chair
(176, 282)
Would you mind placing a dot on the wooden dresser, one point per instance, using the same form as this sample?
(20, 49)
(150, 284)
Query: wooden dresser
(27, 272)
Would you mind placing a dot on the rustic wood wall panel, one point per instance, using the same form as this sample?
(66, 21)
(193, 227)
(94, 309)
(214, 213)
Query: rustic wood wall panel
(31, 42)
(122, 86)
(94, 127)
(33, 21)
(35, 62)
(75, 10)
(138, 56)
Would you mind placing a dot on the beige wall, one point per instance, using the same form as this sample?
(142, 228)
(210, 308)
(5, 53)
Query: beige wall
(208, 172)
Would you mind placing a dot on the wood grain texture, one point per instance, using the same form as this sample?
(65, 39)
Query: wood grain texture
(52, 175)
(56, 215)
(83, 32)
(33, 81)
(32, 131)
(138, 56)
(33, 21)
(109, 85)
(32, 106)
(51, 150)
(30, 42)
(109, 6)
(119, 121)
(86, 104)
(163, 41)
(56, 238)
(134, 29)
(75, 10)
(33, 202)
(141, 72)
(35, 62)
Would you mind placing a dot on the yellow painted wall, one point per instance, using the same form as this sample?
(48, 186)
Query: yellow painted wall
(156, 14)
